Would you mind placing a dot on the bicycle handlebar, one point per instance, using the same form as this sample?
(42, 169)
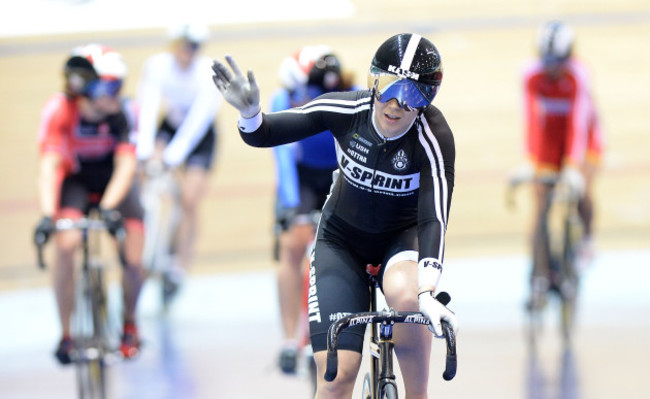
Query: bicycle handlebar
(78, 224)
(389, 317)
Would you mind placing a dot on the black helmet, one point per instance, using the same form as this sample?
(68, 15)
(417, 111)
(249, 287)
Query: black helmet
(325, 73)
(411, 58)
(78, 72)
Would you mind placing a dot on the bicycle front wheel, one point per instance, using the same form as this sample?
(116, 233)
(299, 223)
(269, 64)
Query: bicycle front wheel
(89, 323)
(388, 391)
(366, 392)
(570, 278)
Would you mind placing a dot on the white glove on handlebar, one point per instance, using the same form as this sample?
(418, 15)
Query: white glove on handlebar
(573, 179)
(521, 174)
(241, 92)
(435, 312)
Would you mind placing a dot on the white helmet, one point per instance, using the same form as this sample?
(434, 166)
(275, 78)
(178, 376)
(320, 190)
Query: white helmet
(555, 41)
(192, 32)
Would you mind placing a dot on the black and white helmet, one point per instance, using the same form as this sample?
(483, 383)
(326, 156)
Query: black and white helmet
(555, 42)
(406, 67)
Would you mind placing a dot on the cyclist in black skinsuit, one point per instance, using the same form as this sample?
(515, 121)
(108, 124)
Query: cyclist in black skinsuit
(389, 203)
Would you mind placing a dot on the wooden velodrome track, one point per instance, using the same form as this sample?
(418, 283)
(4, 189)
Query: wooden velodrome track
(483, 45)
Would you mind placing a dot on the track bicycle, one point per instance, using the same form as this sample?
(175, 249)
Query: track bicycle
(160, 198)
(94, 334)
(563, 231)
(380, 382)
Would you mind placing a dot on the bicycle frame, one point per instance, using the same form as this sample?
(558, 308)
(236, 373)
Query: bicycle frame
(161, 201)
(92, 352)
(380, 380)
(562, 231)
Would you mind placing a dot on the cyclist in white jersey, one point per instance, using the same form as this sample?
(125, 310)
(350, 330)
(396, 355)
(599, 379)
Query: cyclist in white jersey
(174, 86)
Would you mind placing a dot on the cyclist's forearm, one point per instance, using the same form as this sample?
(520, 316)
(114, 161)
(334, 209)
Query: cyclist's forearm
(48, 181)
(120, 182)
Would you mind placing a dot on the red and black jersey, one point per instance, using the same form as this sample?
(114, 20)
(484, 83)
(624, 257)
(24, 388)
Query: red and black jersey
(86, 147)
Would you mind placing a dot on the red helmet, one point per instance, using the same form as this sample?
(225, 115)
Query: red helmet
(311, 65)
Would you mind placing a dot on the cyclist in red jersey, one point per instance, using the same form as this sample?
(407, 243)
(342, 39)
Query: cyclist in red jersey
(563, 136)
(87, 156)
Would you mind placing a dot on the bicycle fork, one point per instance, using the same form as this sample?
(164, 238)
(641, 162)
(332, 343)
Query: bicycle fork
(381, 348)
(381, 365)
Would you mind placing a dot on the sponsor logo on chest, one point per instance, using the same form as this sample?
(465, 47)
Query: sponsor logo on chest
(369, 179)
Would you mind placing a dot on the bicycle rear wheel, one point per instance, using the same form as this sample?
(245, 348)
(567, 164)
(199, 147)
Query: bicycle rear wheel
(90, 313)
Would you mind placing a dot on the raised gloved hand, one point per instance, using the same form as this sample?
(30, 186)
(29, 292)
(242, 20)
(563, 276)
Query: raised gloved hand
(573, 179)
(436, 312)
(44, 228)
(241, 92)
(113, 221)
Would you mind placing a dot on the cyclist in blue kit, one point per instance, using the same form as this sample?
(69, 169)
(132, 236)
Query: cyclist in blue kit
(389, 202)
(304, 176)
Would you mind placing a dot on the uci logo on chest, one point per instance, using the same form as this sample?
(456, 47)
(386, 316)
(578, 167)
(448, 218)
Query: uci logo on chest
(400, 161)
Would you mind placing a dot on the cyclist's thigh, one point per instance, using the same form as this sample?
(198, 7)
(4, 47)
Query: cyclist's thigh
(542, 195)
(314, 188)
(338, 286)
(403, 247)
(73, 204)
(202, 155)
(131, 207)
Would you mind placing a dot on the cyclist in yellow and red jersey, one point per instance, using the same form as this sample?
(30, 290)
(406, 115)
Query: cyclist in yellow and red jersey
(87, 158)
(563, 135)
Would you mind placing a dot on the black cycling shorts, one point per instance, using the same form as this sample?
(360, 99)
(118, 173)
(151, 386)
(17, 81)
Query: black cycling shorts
(203, 153)
(314, 186)
(77, 191)
(338, 278)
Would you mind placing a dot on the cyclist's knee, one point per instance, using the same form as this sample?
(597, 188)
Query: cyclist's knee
(67, 243)
(400, 286)
(343, 384)
(341, 387)
(193, 189)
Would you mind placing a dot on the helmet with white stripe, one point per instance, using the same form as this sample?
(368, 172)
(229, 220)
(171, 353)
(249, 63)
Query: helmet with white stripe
(406, 67)
(555, 42)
